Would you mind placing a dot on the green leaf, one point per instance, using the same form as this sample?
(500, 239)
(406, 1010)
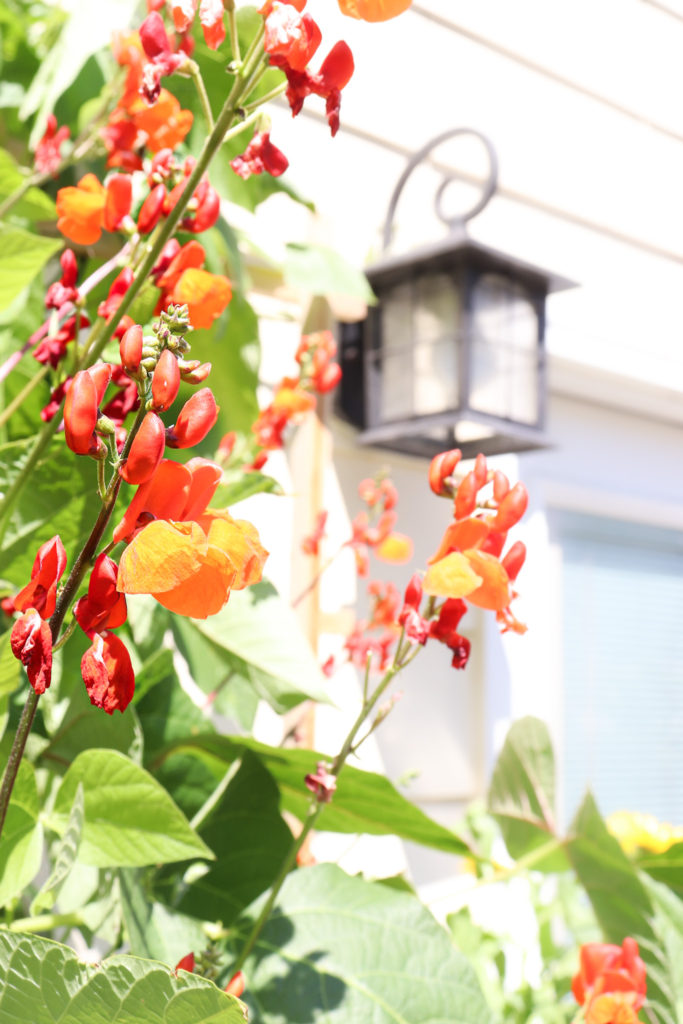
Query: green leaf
(666, 867)
(667, 924)
(322, 271)
(282, 671)
(340, 950)
(153, 930)
(65, 857)
(22, 256)
(364, 802)
(522, 792)
(21, 848)
(250, 840)
(130, 820)
(620, 900)
(42, 982)
(61, 499)
(35, 204)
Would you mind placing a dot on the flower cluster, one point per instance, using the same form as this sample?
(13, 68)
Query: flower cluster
(611, 983)
(373, 528)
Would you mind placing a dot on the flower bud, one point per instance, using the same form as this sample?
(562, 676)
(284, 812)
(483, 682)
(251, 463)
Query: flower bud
(165, 381)
(118, 202)
(501, 485)
(480, 471)
(466, 498)
(512, 508)
(413, 594)
(152, 209)
(441, 467)
(514, 560)
(236, 985)
(100, 374)
(80, 413)
(196, 419)
(146, 451)
(130, 349)
(207, 213)
(198, 373)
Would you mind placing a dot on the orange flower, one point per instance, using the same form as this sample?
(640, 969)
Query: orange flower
(206, 295)
(164, 123)
(188, 557)
(80, 210)
(615, 1008)
(373, 10)
(291, 399)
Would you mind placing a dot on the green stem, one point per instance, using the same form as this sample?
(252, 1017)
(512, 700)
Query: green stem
(18, 194)
(266, 98)
(66, 596)
(196, 76)
(46, 922)
(313, 812)
(18, 399)
(101, 480)
(211, 801)
(234, 35)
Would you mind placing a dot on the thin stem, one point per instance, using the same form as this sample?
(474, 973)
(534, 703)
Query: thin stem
(266, 98)
(101, 480)
(46, 922)
(18, 399)
(234, 35)
(196, 76)
(316, 579)
(14, 197)
(66, 596)
(65, 635)
(241, 126)
(209, 804)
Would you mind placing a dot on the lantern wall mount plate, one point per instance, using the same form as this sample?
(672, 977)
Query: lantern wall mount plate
(453, 353)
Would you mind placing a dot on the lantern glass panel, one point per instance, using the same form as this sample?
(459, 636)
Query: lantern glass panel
(504, 358)
(419, 357)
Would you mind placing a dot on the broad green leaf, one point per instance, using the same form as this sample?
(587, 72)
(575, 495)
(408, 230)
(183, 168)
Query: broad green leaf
(65, 857)
(61, 499)
(323, 271)
(10, 667)
(152, 929)
(22, 256)
(364, 802)
(44, 982)
(338, 950)
(130, 820)
(250, 840)
(22, 838)
(620, 901)
(522, 792)
(282, 671)
(35, 204)
(666, 867)
(667, 924)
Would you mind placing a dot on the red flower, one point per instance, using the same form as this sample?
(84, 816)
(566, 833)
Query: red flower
(165, 381)
(195, 420)
(145, 452)
(108, 673)
(48, 568)
(81, 408)
(186, 963)
(609, 969)
(236, 985)
(48, 151)
(373, 10)
(84, 210)
(259, 156)
(162, 59)
(104, 607)
(211, 18)
(290, 38)
(311, 545)
(64, 290)
(31, 643)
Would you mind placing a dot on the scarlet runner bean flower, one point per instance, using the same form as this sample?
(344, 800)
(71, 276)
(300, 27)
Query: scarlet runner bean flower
(88, 208)
(108, 673)
(48, 154)
(81, 408)
(260, 156)
(611, 983)
(48, 568)
(31, 644)
(103, 607)
(373, 10)
(321, 783)
(189, 557)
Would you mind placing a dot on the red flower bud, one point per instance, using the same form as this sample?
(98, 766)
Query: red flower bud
(165, 381)
(151, 209)
(101, 375)
(413, 594)
(196, 374)
(480, 471)
(186, 963)
(441, 467)
(69, 268)
(328, 378)
(207, 213)
(501, 485)
(466, 498)
(146, 451)
(31, 643)
(80, 413)
(514, 560)
(108, 673)
(512, 508)
(236, 985)
(196, 419)
(130, 349)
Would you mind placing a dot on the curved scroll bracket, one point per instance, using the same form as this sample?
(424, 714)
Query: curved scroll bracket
(453, 223)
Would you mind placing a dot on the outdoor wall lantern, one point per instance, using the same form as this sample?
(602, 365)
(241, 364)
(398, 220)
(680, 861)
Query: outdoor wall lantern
(452, 355)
